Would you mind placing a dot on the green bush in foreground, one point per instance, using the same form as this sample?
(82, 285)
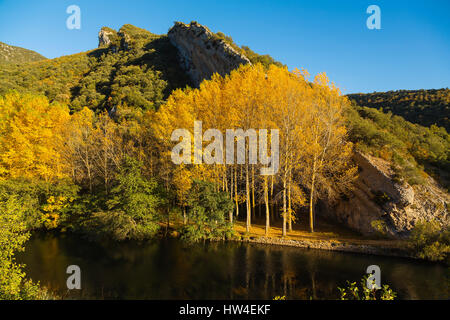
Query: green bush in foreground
(362, 292)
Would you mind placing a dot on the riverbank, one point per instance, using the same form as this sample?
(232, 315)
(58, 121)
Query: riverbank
(323, 239)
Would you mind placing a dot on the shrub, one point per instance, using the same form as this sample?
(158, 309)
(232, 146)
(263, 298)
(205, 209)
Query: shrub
(429, 241)
(132, 206)
(379, 226)
(362, 292)
(43, 205)
(207, 211)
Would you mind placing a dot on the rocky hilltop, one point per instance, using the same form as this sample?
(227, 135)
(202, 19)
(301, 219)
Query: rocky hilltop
(379, 199)
(128, 37)
(201, 53)
(105, 35)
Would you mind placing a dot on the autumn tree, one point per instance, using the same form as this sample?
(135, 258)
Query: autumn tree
(32, 137)
(309, 117)
(80, 147)
(327, 167)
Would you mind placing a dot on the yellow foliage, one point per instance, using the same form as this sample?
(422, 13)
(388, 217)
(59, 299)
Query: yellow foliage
(32, 136)
(51, 215)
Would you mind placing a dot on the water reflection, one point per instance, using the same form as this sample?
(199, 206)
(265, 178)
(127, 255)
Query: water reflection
(169, 269)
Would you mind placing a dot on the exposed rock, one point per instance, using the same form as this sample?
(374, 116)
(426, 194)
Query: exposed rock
(126, 38)
(201, 53)
(105, 37)
(377, 196)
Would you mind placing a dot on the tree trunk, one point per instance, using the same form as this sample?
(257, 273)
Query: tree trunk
(253, 191)
(284, 207)
(266, 200)
(236, 193)
(247, 187)
(231, 183)
(271, 199)
(289, 204)
(311, 199)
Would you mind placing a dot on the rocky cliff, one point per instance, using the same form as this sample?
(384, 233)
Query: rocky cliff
(378, 199)
(201, 53)
(126, 38)
(104, 36)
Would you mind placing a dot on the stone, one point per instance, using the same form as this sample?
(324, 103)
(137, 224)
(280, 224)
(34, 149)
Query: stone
(377, 196)
(104, 37)
(201, 53)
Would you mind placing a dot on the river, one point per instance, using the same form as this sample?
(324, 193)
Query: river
(171, 269)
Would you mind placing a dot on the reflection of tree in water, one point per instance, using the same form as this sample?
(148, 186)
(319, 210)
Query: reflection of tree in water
(264, 272)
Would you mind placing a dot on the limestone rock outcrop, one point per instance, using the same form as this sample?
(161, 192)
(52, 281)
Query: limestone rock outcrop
(128, 37)
(105, 37)
(378, 197)
(201, 53)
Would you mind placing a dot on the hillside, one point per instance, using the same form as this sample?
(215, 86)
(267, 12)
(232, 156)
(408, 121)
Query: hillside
(131, 66)
(140, 72)
(134, 69)
(424, 107)
(411, 148)
(13, 54)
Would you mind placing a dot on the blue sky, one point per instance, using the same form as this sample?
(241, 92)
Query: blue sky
(411, 51)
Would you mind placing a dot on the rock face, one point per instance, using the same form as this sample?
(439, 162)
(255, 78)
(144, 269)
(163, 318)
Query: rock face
(377, 197)
(201, 53)
(105, 37)
(128, 37)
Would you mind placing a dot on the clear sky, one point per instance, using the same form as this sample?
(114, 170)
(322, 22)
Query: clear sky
(410, 51)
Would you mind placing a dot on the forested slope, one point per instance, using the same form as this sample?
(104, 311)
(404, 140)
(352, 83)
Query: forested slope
(141, 76)
(424, 107)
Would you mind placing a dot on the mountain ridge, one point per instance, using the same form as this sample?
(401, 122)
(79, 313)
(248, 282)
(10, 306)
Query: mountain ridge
(14, 54)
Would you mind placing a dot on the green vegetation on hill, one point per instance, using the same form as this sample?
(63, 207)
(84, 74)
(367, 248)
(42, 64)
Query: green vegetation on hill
(136, 37)
(411, 148)
(15, 55)
(138, 69)
(141, 73)
(425, 107)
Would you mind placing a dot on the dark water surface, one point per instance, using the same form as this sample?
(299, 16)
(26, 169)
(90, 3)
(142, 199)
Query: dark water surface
(170, 269)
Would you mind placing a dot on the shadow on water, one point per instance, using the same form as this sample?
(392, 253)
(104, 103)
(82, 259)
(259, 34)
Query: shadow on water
(170, 269)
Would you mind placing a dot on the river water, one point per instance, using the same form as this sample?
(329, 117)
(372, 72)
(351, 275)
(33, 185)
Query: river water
(170, 269)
